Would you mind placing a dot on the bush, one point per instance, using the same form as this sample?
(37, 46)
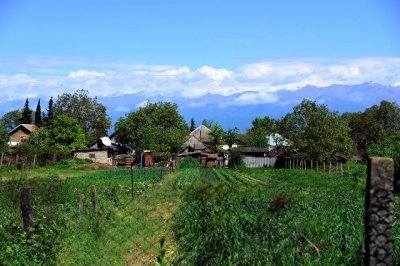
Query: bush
(236, 158)
(189, 162)
(73, 162)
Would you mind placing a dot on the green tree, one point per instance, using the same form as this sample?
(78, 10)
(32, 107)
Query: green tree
(87, 111)
(66, 134)
(11, 119)
(390, 147)
(316, 133)
(192, 125)
(217, 132)
(208, 123)
(373, 125)
(3, 138)
(26, 117)
(38, 115)
(257, 136)
(231, 136)
(157, 127)
(49, 116)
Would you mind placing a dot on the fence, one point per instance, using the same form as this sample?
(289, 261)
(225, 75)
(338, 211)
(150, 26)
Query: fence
(255, 162)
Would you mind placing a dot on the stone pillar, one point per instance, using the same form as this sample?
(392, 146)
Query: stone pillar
(379, 212)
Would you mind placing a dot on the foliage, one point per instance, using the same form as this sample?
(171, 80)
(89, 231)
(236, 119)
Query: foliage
(236, 158)
(66, 134)
(11, 119)
(316, 133)
(49, 116)
(26, 116)
(87, 111)
(38, 115)
(189, 162)
(267, 225)
(373, 125)
(261, 128)
(3, 138)
(192, 125)
(217, 132)
(157, 127)
(390, 147)
(231, 136)
(208, 123)
(60, 235)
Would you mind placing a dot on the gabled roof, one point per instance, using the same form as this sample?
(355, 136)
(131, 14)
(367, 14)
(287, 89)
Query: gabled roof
(202, 133)
(29, 128)
(194, 143)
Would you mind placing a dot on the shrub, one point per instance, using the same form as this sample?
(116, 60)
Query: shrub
(189, 162)
(236, 158)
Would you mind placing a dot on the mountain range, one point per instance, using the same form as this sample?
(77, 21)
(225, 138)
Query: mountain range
(229, 112)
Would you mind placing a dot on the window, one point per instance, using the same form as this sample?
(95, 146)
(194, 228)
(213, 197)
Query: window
(92, 155)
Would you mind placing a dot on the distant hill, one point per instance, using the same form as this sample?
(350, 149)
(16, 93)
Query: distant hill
(223, 109)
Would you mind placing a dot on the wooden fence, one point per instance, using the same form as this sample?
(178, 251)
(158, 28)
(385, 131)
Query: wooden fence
(255, 162)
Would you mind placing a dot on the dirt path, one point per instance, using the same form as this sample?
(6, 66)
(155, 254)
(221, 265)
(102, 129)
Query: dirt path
(154, 211)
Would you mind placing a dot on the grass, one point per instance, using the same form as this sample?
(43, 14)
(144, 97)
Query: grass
(206, 217)
(287, 217)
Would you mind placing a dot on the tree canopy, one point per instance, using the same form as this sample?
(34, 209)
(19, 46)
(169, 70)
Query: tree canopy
(49, 115)
(26, 116)
(157, 127)
(316, 133)
(89, 113)
(66, 134)
(38, 115)
(261, 128)
(390, 147)
(3, 138)
(373, 125)
(11, 119)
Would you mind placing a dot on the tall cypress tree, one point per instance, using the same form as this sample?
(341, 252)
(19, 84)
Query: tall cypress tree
(26, 114)
(38, 115)
(192, 125)
(50, 112)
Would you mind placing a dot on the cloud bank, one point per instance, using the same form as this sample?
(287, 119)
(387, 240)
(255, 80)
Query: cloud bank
(255, 83)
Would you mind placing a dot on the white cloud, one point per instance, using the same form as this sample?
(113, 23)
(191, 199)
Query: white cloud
(214, 73)
(249, 84)
(85, 73)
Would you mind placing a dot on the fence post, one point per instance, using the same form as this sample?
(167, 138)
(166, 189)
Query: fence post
(379, 212)
(132, 184)
(26, 209)
(94, 199)
(81, 203)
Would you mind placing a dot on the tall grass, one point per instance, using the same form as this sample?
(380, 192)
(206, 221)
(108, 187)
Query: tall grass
(293, 217)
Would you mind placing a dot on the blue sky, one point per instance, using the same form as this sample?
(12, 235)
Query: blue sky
(196, 33)
(245, 52)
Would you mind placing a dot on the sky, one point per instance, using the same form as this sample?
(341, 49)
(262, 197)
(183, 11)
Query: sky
(242, 52)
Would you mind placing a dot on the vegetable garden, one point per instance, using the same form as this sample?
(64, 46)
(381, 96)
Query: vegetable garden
(202, 216)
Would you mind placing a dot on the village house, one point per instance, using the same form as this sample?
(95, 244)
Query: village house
(197, 145)
(20, 133)
(103, 151)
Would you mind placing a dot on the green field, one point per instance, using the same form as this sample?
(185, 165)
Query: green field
(202, 216)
